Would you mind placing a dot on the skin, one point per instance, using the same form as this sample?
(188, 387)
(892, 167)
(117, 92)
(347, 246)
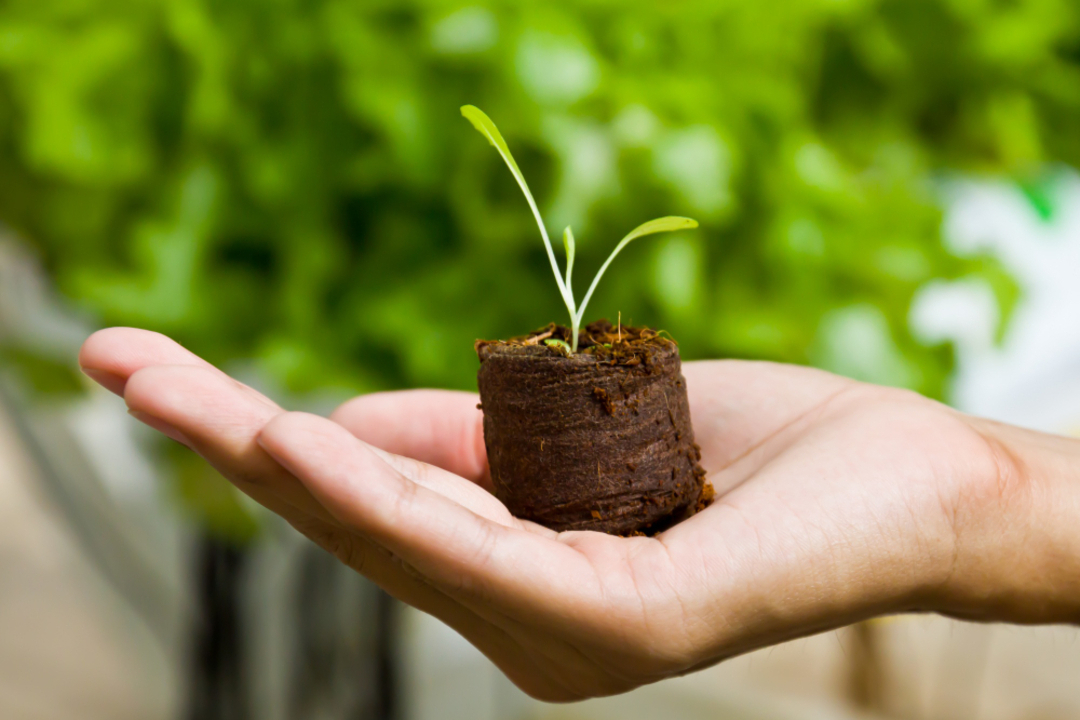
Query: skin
(837, 501)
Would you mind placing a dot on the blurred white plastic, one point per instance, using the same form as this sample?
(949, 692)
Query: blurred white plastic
(1032, 377)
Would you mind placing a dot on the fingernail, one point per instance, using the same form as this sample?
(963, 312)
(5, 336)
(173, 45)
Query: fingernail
(161, 426)
(110, 381)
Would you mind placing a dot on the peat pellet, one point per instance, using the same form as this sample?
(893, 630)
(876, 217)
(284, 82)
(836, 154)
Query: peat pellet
(597, 440)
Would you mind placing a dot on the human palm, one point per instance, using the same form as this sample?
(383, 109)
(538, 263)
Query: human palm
(836, 501)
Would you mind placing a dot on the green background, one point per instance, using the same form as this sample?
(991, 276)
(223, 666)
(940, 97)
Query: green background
(287, 187)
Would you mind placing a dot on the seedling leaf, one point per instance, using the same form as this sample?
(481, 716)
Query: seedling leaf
(568, 245)
(487, 128)
(557, 343)
(659, 225)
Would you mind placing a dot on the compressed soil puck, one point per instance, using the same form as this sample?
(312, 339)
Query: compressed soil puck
(596, 440)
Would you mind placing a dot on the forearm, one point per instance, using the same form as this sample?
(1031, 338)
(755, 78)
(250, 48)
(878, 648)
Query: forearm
(1018, 531)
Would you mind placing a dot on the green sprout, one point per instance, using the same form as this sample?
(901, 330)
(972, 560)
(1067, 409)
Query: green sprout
(556, 343)
(665, 224)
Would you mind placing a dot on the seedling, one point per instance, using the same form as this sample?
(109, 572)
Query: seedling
(577, 312)
(556, 343)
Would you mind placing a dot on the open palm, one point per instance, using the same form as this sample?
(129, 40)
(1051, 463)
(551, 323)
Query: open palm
(836, 501)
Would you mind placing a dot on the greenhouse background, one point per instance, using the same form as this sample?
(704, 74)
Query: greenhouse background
(885, 189)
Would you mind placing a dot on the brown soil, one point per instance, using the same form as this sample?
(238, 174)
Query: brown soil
(597, 440)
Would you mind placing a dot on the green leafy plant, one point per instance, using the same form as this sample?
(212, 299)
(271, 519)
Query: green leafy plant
(577, 312)
(287, 211)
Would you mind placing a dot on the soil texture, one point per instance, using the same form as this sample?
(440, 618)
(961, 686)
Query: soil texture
(596, 440)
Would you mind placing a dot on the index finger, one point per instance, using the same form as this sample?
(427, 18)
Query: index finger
(111, 356)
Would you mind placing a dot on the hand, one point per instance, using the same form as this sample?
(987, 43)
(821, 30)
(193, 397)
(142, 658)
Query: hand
(836, 501)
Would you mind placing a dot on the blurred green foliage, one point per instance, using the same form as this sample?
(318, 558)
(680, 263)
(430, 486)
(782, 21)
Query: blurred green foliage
(289, 184)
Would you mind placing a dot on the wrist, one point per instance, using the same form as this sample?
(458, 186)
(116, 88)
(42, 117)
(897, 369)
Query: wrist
(1017, 525)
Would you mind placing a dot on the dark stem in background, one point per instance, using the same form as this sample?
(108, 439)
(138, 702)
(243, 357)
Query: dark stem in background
(386, 643)
(344, 659)
(217, 689)
(867, 678)
(339, 631)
